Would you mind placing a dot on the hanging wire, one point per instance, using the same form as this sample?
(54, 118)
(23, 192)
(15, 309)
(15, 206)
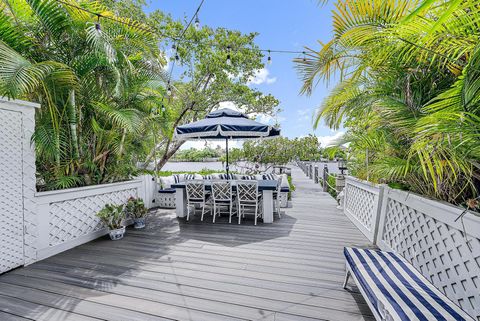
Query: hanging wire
(177, 39)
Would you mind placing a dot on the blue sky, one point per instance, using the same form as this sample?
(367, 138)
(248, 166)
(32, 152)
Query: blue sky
(282, 25)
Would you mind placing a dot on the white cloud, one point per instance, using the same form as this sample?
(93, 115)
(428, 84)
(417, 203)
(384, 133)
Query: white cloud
(262, 76)
(230, 105)
(304, 114)
(326, 141)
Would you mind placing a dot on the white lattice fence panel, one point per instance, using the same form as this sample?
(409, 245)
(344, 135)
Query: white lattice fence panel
(73, 218)
(428, 237)
(11, 194)
(166, 200)
(362, 205)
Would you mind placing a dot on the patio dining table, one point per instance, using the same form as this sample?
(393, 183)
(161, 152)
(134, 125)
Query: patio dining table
(266, 187)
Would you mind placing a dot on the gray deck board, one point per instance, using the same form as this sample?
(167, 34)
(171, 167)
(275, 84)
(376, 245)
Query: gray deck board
(289, 270)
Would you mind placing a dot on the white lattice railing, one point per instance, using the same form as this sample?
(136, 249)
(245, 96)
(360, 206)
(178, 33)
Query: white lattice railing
(428, 234)
(362, 204)
(66, 218)
(17, 184)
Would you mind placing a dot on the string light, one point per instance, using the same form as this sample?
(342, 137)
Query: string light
(304, 58)
(229, 60)
(169, 89)
(269, 59)
(197, 22)
(152, 31)
(163, 108)
(97, 24)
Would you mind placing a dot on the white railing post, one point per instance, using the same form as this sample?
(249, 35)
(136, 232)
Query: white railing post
(362, 205)
(325, 178)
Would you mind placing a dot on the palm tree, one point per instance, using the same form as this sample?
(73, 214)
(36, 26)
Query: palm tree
(95, 79)
(407, 92)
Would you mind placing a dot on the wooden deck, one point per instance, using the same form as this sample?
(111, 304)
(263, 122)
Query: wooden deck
(289, 270)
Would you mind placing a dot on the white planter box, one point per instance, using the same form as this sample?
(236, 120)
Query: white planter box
(67, 218)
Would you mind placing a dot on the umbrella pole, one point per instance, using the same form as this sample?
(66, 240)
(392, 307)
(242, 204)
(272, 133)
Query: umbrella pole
(226, 150)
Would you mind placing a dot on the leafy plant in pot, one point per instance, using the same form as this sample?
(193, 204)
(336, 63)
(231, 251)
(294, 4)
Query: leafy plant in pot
(113, 217)
(136, 209)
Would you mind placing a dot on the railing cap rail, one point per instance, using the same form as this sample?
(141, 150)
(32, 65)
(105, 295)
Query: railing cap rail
(361, 181)
(19, 102)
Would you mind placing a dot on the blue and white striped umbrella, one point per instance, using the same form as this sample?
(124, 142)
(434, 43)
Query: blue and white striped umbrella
(225, 123)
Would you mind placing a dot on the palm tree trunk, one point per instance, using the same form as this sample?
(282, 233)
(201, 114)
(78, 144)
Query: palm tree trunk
(72, 120)
(122, 143)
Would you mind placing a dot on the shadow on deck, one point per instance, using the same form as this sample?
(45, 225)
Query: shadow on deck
(289, 270)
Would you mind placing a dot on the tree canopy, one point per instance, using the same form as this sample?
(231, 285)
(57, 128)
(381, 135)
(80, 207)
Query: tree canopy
(102, 82)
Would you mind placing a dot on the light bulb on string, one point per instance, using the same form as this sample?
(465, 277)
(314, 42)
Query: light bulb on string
(197, 22)
(269, 59)
(304, 58)
(169, 89)
(97, 24)
(163, 108)
(229, 58)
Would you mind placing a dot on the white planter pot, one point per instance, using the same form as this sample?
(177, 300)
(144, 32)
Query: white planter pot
(117, 234)
(139, 222)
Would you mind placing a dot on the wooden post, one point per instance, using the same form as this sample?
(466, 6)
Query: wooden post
(325, 177)
(315, 175)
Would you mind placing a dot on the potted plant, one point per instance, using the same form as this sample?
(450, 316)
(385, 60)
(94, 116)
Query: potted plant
(113, 217)
(136, 209)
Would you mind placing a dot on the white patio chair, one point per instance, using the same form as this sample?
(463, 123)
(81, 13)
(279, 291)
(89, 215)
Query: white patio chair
(196, 195)
(222, 196)
(248, 198)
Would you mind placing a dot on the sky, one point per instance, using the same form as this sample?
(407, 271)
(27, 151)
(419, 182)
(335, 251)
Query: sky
(282, 25)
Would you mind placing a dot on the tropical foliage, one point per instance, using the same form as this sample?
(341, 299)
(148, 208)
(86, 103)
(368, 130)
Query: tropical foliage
(408, 92)
(260, 155)
(102, 83)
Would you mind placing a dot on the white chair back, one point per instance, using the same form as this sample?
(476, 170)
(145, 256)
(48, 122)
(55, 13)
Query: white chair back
(247, 191)
(195, 190)
(221, 190)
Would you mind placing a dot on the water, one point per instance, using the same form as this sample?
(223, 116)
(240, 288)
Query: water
(194, 166)
(217, 166)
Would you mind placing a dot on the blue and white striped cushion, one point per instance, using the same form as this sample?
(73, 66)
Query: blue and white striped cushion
(395, 287)
(176, 178)
(209, 177)
(189, 177)
(227, 176)
(248, 177)
(269, 176)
